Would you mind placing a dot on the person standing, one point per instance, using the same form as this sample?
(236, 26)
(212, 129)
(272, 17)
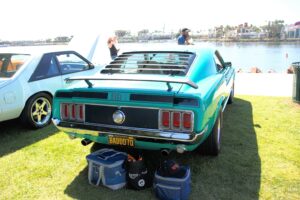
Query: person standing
(112, 41)
(184, 37)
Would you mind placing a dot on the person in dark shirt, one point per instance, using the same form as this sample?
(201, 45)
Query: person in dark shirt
(184, 37)
(112, 47)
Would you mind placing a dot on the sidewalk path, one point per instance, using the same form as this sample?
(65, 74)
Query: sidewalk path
(264, 84)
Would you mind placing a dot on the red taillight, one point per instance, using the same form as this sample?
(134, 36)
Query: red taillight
(176, 119)
(80, 112)
(66, 111)
(73, 111)
(166, 118)
(187, 120)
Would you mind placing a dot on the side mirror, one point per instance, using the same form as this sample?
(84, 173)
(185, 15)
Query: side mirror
(228, 64)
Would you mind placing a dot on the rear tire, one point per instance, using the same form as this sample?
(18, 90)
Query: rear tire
(212, 145)
(230, 100)
(38, 111)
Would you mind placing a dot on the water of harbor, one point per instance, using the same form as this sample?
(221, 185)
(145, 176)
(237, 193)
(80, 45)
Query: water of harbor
(265, 56)
(271, 56)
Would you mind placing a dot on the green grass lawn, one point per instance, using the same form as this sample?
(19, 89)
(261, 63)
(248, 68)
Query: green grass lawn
(260, 158)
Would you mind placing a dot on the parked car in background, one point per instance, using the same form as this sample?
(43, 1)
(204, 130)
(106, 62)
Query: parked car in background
(158, 100)
(28, 82)
(30, 76)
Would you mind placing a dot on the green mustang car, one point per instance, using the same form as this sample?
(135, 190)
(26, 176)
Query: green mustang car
(156, 100)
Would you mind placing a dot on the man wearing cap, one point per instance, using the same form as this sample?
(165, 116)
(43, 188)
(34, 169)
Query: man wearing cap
(182, 39)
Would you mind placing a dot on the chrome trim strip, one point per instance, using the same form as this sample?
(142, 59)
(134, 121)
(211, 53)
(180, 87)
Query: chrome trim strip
(125, 128)
(225, 103)
(151, 134)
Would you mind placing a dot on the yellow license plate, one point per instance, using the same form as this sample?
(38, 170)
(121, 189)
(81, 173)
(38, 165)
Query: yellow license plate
(122, 141)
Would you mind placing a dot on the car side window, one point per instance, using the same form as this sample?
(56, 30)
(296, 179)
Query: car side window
(53, 68)
(219, 65)
(70, 63)
(46, 68)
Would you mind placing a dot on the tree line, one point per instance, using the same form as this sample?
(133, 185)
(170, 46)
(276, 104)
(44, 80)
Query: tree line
(273, 29)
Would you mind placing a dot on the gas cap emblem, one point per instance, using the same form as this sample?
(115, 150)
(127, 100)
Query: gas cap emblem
(118, 117)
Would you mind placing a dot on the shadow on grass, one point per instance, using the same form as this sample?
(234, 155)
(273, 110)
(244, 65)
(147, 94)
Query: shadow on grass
(14, 136)
(234, 174)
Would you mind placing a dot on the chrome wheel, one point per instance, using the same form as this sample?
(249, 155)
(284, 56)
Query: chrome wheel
(41, 111)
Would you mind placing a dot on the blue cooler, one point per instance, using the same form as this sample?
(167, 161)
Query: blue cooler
(106, 168)
(173, 188)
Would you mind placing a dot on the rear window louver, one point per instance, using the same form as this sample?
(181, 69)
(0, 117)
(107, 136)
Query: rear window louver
(169, 63)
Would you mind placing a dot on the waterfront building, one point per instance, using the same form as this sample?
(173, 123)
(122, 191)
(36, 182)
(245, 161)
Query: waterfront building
(293, 30)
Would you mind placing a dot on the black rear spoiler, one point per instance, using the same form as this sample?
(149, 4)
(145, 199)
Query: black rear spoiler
(121, 77)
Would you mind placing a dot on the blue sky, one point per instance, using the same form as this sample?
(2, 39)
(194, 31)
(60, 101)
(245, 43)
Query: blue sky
(40, 19)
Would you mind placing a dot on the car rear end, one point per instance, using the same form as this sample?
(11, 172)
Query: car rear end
(146, 110)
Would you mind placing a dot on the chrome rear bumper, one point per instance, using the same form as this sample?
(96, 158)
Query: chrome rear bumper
(137, 133)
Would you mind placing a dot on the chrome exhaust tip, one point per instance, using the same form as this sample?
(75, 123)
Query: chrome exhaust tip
(165, 152)
(86, 142)
(180, 148)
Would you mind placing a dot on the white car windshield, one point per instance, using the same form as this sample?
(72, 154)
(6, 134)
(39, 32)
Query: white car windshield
(10, 63)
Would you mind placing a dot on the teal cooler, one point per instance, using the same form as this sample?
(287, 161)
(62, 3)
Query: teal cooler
(296, 82)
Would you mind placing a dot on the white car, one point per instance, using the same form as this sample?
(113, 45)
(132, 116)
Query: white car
(29, 81)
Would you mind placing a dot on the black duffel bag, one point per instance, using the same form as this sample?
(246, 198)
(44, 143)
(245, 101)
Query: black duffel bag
(138, 177)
